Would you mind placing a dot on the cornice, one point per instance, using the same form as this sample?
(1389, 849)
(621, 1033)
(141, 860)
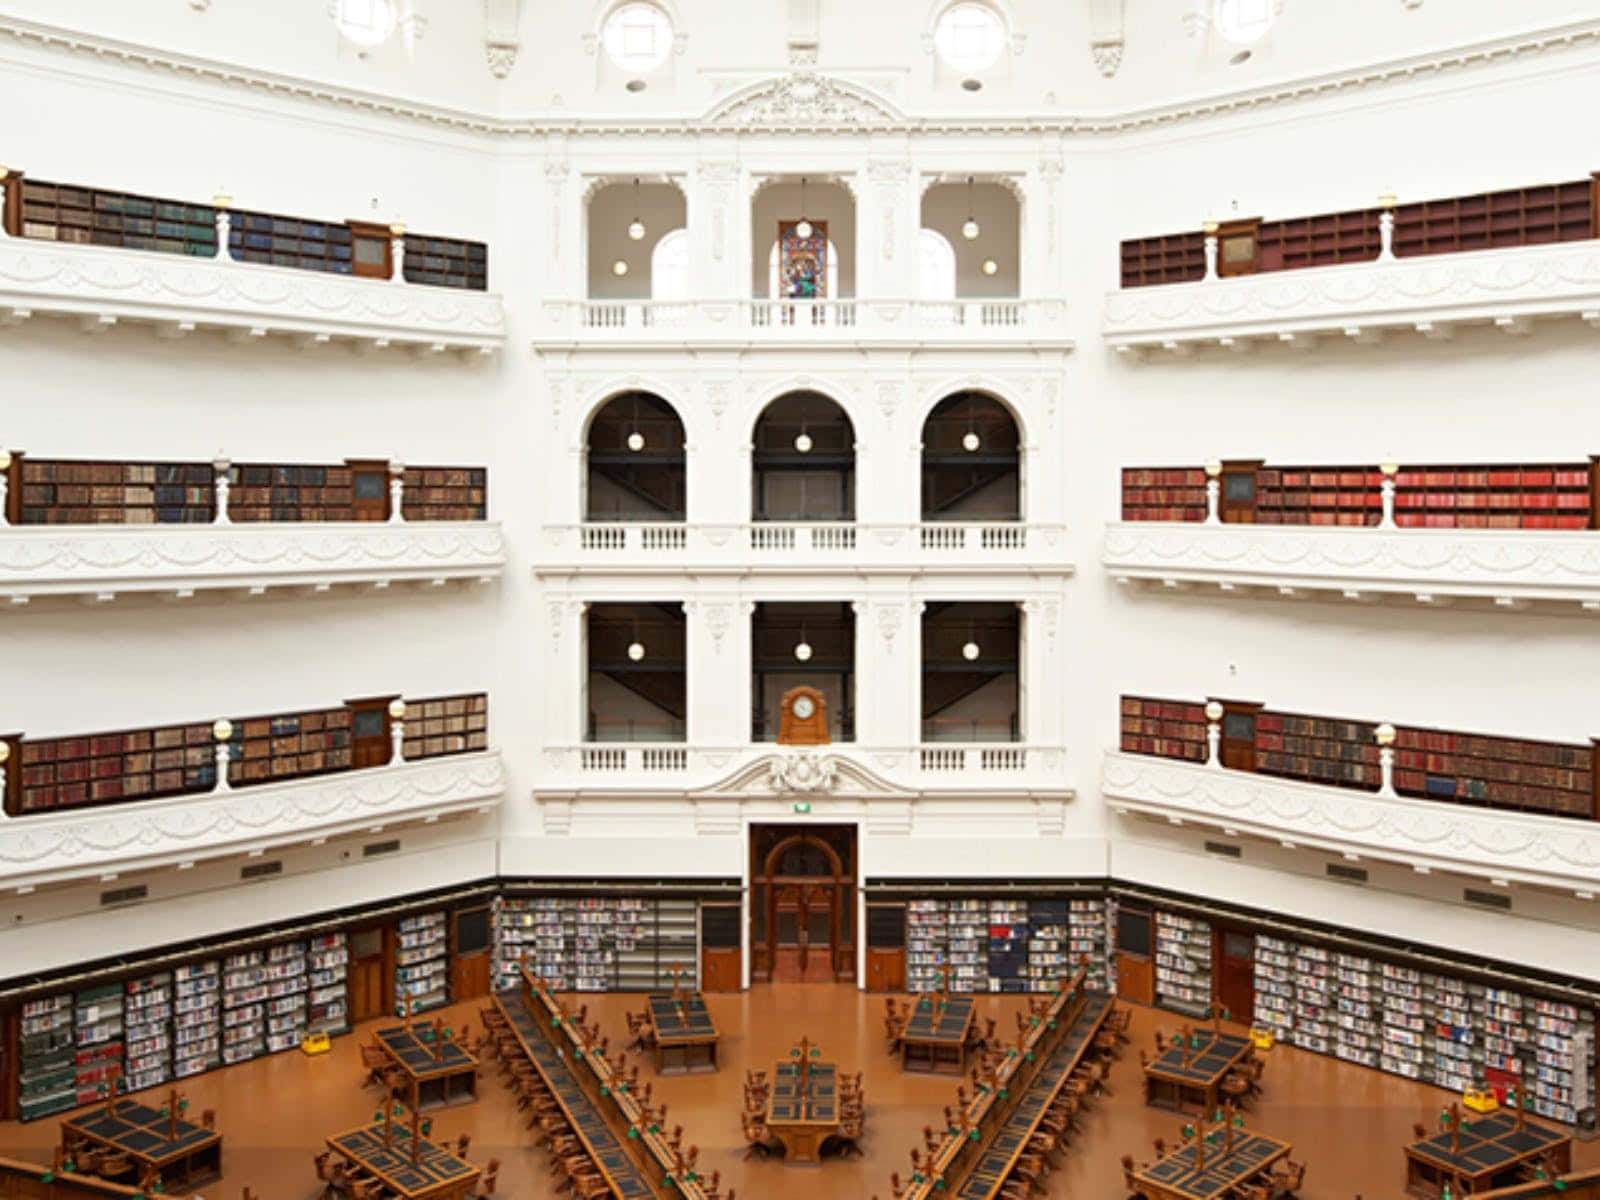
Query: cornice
(1512, 567)
(1548, 851)
(140, 835)
(103, 561)
(780, 118)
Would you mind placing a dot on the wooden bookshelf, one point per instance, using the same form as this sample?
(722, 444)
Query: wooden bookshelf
(67, 492)
(66, 213)
(288, 242)
(264, 492)
(90, 770)
(1164, 728)
(1526, 216)
(1449, 496)
(446, 262)
(1164, 494)
(445, 494)
(1555, 779)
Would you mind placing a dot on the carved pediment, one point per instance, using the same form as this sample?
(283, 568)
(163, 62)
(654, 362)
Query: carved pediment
(803, 772)
(805, 99)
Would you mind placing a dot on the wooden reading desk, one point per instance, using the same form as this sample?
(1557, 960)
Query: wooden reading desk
(1488, 1153)
(683, 1028)
(935, 1036)
(1030, 1075)
(1193, 1172)
(595, 1098)
(439, 1071)
(1189, 1077)
(182, 1153)
(803, 1108)
(384, 1150)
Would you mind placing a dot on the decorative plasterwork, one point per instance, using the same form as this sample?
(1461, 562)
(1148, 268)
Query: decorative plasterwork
(101, 562)
(140, 835)
(1107, 57)
(502, 22)
(179, 294)
(804, 99)
(1548, 851)
(1490, 51)
(1106, 34)
(1512, 567)
(1362, 302)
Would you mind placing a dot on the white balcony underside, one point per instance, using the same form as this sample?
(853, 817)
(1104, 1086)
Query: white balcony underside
(140, 835)
(104, 286)
(753, 324)
(1513, 847)
(1509, 288)
(804, 548)
(104, 561)
(1511, 567)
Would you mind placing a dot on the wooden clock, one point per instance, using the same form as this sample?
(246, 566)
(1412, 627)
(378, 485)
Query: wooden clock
(804, 720)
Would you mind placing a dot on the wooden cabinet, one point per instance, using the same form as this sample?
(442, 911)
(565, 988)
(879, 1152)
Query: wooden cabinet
(1237, 749)
(886, 970)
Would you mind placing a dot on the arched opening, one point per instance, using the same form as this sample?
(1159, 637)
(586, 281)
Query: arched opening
(971, 672)
(971, 461)
(635, 461)
(803, 459)
(936, 266)
(627, 221)
(981, 221)
(669, 267)
(802, 903)
(812, 226)
(638, 672)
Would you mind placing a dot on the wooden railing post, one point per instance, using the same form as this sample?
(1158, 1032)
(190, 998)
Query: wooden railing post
(10, 202)
(11, 774)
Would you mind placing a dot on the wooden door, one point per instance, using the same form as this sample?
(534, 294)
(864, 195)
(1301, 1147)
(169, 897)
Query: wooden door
(371, 974)
(369, 488)
(1237, 749)
(1235, 969)
(886, 970)
(721, 962)
(1238, 247)
(1236, 505)
(371, 255)
(469, 976)
(369, 731)
(807, 934)
(1136, 974)
(802, 903)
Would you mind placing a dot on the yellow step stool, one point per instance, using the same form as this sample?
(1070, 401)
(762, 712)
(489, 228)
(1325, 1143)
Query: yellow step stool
(1480, 1100)
(1261, 1038)
(316, 1043)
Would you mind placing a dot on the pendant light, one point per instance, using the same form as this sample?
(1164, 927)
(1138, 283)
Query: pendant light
(635, 438)
(969, 229)
(802, 440)
(636, 229)
(802, 648)
(970, 649)
(970, 441)
(635, 646)
(619, 268)
(990, 267)
(803, 228)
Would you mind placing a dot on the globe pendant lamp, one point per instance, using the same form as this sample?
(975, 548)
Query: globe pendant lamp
(803, 228)
(636, 229)
(969, 228)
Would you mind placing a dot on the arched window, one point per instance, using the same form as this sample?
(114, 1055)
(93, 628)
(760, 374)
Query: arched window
(803, 460)
(971, 461)
(635, 461)
(936, 265)
(669, 267)
(828, 279)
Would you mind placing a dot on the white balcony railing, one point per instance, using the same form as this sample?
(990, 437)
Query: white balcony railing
(996, 321)
(46, 847)
(103, 286)
(799, 546)
(1429, 295)
(1502, 846)
(101, 562)
(1509, 567)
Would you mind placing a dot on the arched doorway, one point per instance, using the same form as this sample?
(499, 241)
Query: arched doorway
(802, 903)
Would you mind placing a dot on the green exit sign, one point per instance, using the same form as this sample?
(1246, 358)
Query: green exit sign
(802, 806)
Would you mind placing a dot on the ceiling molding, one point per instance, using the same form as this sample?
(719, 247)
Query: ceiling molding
(1499, 50)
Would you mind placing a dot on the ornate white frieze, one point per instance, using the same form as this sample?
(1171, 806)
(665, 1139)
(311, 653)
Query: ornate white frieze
(104, 561)
(805, 99)
(1548, 851)
(179, 294)
(802, 771)
(1509, 288)
(1507, 566)
(50, 847)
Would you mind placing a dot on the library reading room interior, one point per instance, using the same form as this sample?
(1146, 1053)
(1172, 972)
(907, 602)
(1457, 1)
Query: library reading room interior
(792, 599)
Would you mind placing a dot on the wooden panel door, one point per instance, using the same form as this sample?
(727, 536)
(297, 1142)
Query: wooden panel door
(1234, 960)
(720, 969)
(1237, 749)
(371, 973)
(886, 970)
(369, 731)
(469, 977)
(369, 488)
(1135, 942)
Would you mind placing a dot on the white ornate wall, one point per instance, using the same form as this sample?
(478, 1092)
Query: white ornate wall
(288, 122)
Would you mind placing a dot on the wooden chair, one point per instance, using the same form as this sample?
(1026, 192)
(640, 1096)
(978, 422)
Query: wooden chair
(1128, 1181)
(462, 1143)
(208, 1118)
(1289, 1180)
(487, 1181)
(848, 1139)
(320, 1161)
(115, 1165)
(755, 1136)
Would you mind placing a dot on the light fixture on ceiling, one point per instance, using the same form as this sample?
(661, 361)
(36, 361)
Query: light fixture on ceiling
(970, 441)
(619, 268)
(970, 651)
(636, 229)
(803, 228)
(802, 649)
(969, 229)
(636, 441)
(802, 440)
(990, 267)
(635, 651)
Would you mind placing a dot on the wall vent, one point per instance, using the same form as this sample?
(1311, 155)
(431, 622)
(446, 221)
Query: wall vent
(373, 848)
(262, 870)
(1222, 848)
(1347, 873)
(125, 895)
(1487, 899)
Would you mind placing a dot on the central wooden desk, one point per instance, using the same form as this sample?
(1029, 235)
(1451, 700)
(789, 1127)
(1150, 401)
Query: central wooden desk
(439, 1072)
(436, 1175)
(1169, 1082)
(1178, 1177)
(683, 1028)
(146, 1137)
(935, 1036)
(803, 1111)
(1490, 1154)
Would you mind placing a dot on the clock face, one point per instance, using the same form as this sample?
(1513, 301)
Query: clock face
(803, 708)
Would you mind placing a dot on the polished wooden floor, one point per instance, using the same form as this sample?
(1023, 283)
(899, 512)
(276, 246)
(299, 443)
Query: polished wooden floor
(1348, 1122)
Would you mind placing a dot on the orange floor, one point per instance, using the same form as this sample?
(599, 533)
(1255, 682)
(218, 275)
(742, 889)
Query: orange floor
(1347, 1122)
